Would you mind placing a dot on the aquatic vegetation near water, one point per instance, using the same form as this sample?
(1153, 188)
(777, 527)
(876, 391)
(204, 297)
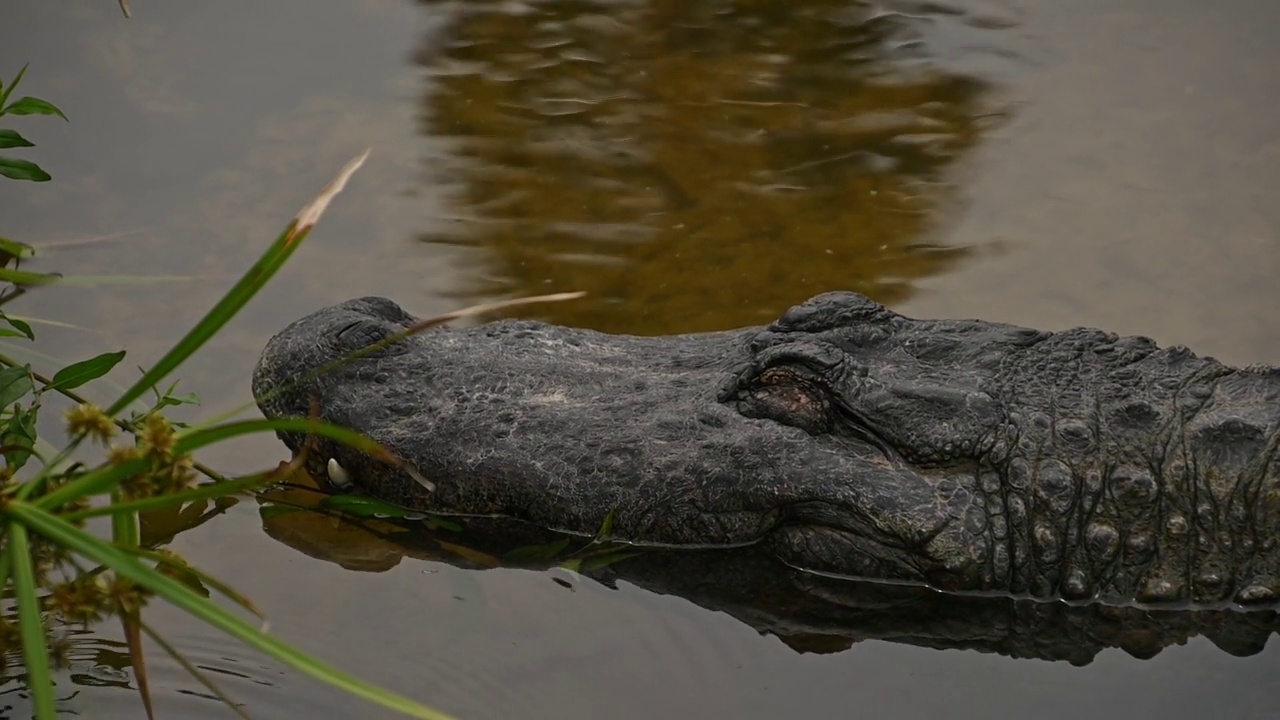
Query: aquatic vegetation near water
(54, 571)
(15, 168)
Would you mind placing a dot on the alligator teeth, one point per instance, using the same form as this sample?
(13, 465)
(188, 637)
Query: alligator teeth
(338, 475)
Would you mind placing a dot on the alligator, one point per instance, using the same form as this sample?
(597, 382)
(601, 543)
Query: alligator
(844, 439)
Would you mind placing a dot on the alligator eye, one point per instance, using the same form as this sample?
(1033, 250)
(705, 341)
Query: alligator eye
(345, 328)
(787, 395)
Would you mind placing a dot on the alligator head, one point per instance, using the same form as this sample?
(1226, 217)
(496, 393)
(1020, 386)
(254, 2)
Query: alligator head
(850, 440)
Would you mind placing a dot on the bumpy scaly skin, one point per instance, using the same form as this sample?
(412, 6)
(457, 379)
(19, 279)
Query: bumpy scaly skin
(967, 455)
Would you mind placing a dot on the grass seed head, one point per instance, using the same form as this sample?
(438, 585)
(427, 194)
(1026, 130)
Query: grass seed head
(88, 420)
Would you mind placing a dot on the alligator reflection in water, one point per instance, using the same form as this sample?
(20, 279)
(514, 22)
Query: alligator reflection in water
(810, 613)
(705, 164)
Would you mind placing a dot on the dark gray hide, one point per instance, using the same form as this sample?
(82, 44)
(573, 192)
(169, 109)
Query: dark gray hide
(966, 455)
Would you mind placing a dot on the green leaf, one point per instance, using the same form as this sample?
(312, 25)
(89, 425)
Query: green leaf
(125, 531)
(22, 277)
(22, 170)
(16, 249)
(15, 383)
(169, 399)
(98, 480)
(4, 96)
(21, 327)
(11, 139)
(32, 106)
(183, 574)
(35, 651)
(201, 492)
(606, 527)
(77, 374)
(361, 506)
(20, 432)
(169, 564)
(176, 593)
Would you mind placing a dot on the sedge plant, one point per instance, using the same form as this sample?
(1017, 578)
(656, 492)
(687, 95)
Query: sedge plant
(56, 572)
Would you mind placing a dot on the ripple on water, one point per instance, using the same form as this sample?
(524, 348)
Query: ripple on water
(510, 642)
(99, 681)
(731, 158)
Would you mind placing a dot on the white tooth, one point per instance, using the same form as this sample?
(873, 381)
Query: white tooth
(338, 475)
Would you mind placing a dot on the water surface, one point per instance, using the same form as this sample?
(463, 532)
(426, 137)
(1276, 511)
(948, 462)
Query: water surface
(692, 165)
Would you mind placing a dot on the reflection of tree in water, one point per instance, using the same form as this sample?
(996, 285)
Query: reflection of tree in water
(695, 164)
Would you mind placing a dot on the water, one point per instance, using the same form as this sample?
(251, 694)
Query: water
(692, 165)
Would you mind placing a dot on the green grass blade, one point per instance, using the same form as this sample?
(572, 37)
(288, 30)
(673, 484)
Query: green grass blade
(35, 652)
(204, 436)
(98, 480)
(105, 478)
(196, 439)
(183, 597)
(204, 577)
(124, 525)
(17, 249)
(26, 278)
(243, 290)
(202, 492)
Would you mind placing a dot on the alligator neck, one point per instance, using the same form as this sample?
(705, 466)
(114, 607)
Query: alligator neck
(1222, 499)
(1169, 496)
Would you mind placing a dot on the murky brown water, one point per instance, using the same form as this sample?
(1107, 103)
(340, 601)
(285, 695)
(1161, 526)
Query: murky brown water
(693, 165)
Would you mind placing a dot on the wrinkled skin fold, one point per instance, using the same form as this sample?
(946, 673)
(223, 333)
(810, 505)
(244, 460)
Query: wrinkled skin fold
(842, 438)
